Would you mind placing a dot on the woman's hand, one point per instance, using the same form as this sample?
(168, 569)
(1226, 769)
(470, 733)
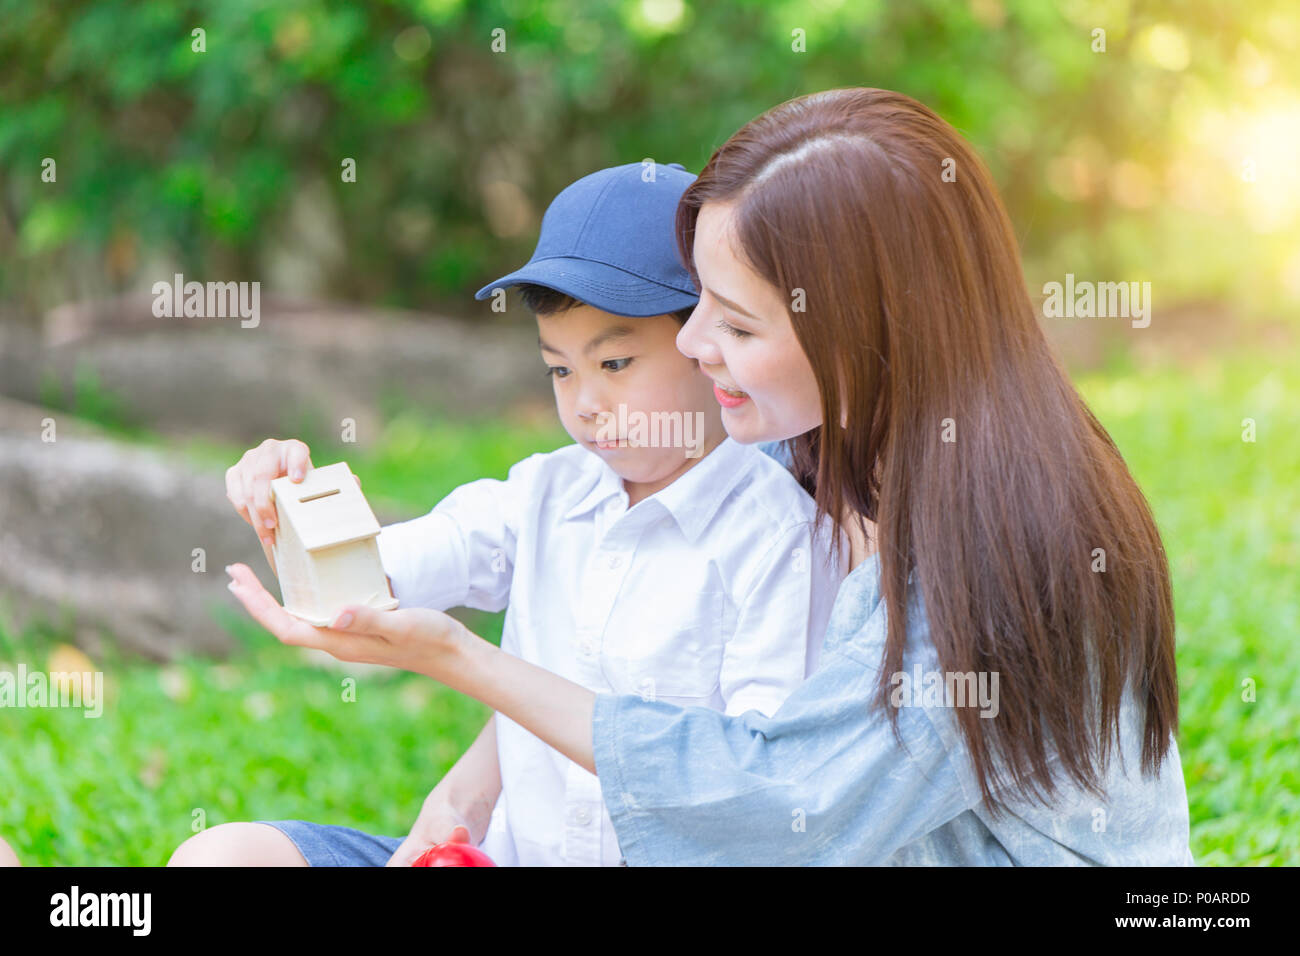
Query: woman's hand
(552, 708)
(413, 639)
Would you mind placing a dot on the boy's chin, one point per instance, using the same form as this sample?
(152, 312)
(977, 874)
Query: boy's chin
(639, 464)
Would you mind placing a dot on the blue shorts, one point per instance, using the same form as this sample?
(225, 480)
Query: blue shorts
(325, 845)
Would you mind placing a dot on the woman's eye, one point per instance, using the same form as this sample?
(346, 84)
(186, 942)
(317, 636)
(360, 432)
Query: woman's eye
(617, 364)
(556, 371)
(732, 330)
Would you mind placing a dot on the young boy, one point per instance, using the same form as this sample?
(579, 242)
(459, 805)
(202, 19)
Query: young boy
(655, 556)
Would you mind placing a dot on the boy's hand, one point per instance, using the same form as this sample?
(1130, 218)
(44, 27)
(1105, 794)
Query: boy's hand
(248, 483)
(438, 822)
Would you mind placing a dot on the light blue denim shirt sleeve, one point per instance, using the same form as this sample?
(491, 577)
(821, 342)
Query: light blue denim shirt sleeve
(824, 781)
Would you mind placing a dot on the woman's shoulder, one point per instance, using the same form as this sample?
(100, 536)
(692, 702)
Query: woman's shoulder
(858, 623)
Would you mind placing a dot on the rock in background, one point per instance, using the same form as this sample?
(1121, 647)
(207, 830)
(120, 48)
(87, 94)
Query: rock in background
(303, 366)
(103, 535)
(105, 532)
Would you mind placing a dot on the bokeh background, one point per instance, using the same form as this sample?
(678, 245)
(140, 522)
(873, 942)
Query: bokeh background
(1162, 149)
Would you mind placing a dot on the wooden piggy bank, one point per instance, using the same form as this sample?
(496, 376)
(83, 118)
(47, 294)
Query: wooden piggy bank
(325, 551)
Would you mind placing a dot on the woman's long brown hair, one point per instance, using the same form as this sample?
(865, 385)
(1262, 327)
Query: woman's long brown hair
(987, 478)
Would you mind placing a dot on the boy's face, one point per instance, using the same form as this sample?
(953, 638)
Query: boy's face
(617, 382)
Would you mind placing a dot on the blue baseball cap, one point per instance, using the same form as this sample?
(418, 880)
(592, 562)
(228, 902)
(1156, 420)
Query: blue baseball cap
(607, 240)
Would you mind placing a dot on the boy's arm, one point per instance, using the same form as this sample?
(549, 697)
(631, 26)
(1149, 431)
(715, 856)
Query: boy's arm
(461, 553)
(473, 784)
(780, 623)
(465, 796)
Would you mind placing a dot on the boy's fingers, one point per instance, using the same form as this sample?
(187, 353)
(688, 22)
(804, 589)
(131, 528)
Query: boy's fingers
(399, 857)
(268, 548)
(246, 496)
(240, 508)
(272, 467)
(248, 482)
(295, 459)
(262, 501)
(259, 469)
(410, 850)
(230, 487)
(235, 492)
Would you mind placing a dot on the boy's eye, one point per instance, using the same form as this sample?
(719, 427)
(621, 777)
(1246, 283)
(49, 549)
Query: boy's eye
(732, 330)
(556, 371)
(615, 365)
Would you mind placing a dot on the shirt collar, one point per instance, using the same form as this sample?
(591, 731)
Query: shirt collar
(693, 499)
(606, 485)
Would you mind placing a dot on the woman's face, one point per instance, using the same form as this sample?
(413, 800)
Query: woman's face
(741, 335)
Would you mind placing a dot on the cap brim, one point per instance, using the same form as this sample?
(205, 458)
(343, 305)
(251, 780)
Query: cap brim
(605, 287)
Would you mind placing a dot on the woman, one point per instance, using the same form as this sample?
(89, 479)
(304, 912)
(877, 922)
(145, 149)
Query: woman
(862, 300)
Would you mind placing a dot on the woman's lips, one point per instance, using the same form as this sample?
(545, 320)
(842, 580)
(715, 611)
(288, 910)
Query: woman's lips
(728, 399)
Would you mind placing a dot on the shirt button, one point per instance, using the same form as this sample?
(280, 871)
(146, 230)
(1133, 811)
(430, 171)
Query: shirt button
(587, 647)
(583, 816)
(614, 560)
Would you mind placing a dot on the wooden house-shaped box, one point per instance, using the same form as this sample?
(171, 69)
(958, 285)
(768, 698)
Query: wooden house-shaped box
(325, 552)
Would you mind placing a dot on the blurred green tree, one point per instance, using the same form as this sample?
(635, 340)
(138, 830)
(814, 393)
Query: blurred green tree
(464, 119)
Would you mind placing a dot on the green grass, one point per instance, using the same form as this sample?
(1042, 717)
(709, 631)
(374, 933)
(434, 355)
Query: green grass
(265, 736)
(1229, 512)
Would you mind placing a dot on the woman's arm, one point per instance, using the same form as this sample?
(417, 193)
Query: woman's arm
(437, 645)
(821, 781)
(554, 709)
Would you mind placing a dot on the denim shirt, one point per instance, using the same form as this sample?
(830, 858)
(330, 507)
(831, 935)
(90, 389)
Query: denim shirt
(823, 781)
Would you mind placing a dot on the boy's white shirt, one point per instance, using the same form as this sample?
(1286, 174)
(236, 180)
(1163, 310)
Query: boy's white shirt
(712, 592)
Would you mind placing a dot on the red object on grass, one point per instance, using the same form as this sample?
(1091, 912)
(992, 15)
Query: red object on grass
(453, 854)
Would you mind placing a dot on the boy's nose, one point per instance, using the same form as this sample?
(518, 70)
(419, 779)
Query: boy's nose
(590, 402)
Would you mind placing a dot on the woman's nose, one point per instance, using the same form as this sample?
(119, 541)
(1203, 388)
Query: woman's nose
(693, 340)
